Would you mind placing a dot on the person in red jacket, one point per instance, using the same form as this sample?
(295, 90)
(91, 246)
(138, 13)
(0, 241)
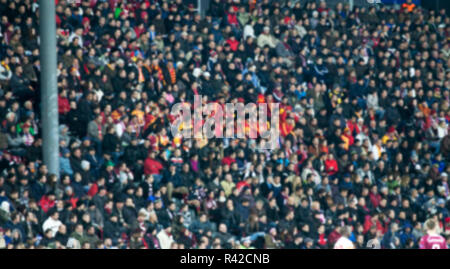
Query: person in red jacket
(323, 240)
(347, 138)
(371, 222)
(334, 236)
(63, 103)
(228, 160)
(234, 44)
(47, 202)
(331, 165)
(232, 18)
(374, 196)
(153, 167)
(287, 127)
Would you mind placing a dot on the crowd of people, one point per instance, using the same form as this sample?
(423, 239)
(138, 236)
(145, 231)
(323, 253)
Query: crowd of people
(364, 119)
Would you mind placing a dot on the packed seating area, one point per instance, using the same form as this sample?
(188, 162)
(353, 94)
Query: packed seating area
(364, 125)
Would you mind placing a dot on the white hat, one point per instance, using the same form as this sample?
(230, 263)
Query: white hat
(197, 72)
(5, 206)
(120, 62)
(207, 74)
(85, 165)
(444, 174)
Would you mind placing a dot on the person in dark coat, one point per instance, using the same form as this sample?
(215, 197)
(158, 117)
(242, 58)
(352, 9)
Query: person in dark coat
(112, 228)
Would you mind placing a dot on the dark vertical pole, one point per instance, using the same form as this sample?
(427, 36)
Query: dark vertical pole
(49, 91)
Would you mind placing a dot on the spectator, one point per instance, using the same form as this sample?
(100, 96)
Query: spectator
(364, 125)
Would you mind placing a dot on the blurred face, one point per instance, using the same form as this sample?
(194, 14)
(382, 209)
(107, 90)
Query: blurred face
(79, 229)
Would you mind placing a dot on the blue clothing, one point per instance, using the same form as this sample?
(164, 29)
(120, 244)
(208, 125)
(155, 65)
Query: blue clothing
(64, 166)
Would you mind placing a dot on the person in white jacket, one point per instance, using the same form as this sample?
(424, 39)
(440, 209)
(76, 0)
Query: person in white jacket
(165, 237)
(249, 31)
(442, 128)
(5, 71)
(266, 39)
(343, 242)
(52, 223)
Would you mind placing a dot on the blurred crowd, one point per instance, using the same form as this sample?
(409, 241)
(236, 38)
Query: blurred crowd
(364, 120)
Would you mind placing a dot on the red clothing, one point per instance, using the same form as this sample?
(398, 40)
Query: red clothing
(286, 128)
(375, 199)
(348, 140)
(333, 237)
(232, 19)
(353, 127)
(93, 190)
(284, 109)
(73, 201)
(368, 224)
(228, 160)
(287, 20)
(331, 167)
(375, 41)
(432, 242)
(242, 184)
(152, 166)
(139, 31)
(46, 204)
(234, 44)
(63, 105)
(320, 9)
(322, 240)
(58, 20)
